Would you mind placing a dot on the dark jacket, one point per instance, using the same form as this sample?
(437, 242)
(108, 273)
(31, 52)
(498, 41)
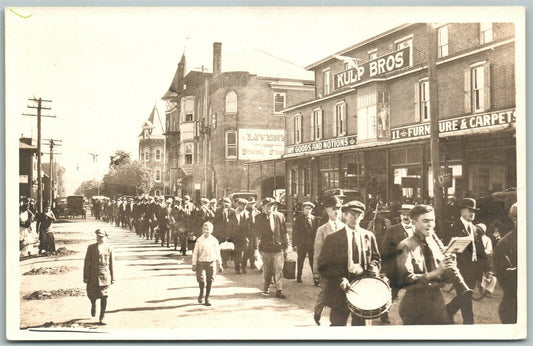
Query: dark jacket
(389, 250)
(303, 233)
(272, 240)
(239, 231)
(464, 260)
(333, 263)
(98, 266)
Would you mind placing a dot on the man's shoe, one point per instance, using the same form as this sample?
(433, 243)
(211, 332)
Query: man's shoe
(102, 323)
(280, 295)
(265, 293)
(450, 315)
(316, 282)
(93, 310)
(317, 318)
(200, 299)
(299, 280)
(385, 318)
(207, 303)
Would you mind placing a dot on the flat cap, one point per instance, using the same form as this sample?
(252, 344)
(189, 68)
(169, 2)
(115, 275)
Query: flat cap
(268, 200)
(251, 200)
(213, 201)
(355, 206)
(226, 200)
(204, 200)
(308, 203)
(169, 200)
(101, 233)
(241, 201)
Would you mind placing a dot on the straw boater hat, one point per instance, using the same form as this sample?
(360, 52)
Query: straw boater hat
(204, 200)
(406, 208)
(308, 203)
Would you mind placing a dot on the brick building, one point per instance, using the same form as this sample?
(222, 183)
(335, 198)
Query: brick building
(27, 168)
(152, 150)
(218, 122)
(367, 128)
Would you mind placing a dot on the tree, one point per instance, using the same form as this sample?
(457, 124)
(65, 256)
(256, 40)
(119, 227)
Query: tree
(127, 178)
(119, 158)
(88, 188)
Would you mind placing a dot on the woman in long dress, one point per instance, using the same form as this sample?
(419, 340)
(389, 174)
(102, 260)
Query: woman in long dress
(26, 235)
(46, 234)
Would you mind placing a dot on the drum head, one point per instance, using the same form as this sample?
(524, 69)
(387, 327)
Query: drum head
(368, 294)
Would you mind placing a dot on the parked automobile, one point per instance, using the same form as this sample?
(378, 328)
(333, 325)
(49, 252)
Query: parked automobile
(61, 208)
(76, 206)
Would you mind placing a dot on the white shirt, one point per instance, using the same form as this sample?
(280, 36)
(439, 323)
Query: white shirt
(206, 250)
(408, 228)
(470, 229)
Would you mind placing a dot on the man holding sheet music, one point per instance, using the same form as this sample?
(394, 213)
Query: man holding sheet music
(423, 267)
(469, 261)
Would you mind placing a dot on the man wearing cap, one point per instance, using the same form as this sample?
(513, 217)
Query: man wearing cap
(303, 237)
(505, 267)
(252, 212)
(347, 255)
(469, 261)
(332, 207)
(98, 272)
(273, 244)
(423, 267)
(205, 213)
(239, 229)
(389, 250)
(221, 232)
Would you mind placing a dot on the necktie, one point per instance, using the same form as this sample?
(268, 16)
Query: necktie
(472, 236)
(355, 249)
(428, 256)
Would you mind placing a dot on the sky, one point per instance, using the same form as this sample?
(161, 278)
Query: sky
(106, 68)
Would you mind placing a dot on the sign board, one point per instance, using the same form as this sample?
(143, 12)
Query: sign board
(445, 177)
(456, 124)
(23, 179)
(261, 144)
(316, 146)
(197, 186)
(374, 68)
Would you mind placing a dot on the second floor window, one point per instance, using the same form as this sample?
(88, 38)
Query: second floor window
(189, 153)
(326, 76)
(485, 31)
(422, 101)
(366, 116)
(279, 102)
(442, 34)
(146, 155)
(316, 124)
(297, 128)
(231, 102)
(158, 155)
(477, 88)
(340, 119)
(231, 145)
(187, 108)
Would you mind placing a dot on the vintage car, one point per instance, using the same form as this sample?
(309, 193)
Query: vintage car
(76, 207)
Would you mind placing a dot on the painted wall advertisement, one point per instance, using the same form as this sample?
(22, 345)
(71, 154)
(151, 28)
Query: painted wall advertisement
(261, 144)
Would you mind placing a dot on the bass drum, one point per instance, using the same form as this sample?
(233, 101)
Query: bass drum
(369, 297)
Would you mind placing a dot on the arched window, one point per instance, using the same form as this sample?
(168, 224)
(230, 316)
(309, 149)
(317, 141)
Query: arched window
(146, 155)
(157, 175)
(158, 155)
(231, 102)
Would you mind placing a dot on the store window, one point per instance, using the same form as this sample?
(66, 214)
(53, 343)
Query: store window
(442, 39)
(297, 128)
(316, 124)
(352, 171)
(373, 116)
(279, 102)
(294, 181)
(326, 76)
(231, 102)
(307, 181)
(157, 175)
(158, 154)
(329, 173)
(231, 145)
(340, 118)
(189, 153)
(485, 32)
(477, 88)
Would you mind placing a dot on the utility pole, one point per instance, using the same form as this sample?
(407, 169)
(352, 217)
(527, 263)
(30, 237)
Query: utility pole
(434, 125)
(95, 172)
(51, 143)
(39, 108)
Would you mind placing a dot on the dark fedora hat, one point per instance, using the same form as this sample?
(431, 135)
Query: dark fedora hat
(469, 203)
(333, 202)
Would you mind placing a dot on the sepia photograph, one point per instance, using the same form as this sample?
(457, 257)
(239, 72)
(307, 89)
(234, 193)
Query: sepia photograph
(266, 173)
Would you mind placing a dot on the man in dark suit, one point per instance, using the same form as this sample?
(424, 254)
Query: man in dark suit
(347, 255)
(389, 250)
(273, 244)
(303, 236)
(467, 261)
(239, 228)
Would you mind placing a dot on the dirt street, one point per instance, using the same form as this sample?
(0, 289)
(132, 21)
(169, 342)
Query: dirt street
(156, 288)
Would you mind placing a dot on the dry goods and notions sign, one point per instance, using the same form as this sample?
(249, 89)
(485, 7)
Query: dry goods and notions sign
(322, 145)
(387, 63)
(456, 124)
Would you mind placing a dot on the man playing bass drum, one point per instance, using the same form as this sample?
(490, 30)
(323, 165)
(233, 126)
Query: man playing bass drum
(347, 255)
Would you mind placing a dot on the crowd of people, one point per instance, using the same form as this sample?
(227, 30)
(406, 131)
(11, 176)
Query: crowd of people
(407, 256)
(42, 236)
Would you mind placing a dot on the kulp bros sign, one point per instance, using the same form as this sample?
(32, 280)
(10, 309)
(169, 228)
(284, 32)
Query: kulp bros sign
(385, 64)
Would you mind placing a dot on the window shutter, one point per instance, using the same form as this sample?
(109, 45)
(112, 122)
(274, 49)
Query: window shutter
(321, 129)
(336, 121)
(486, 86)
(312, 126)
(468, 92)
(417, 102)
(345, 120)
(182, 110)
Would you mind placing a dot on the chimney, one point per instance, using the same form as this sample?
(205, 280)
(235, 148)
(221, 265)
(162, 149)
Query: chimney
(217, 58)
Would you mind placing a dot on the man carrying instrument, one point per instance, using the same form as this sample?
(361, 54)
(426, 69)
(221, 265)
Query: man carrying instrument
(347, 255)
(423, 267)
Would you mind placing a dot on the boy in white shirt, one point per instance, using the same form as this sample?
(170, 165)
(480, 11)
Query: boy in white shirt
(205, 261)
